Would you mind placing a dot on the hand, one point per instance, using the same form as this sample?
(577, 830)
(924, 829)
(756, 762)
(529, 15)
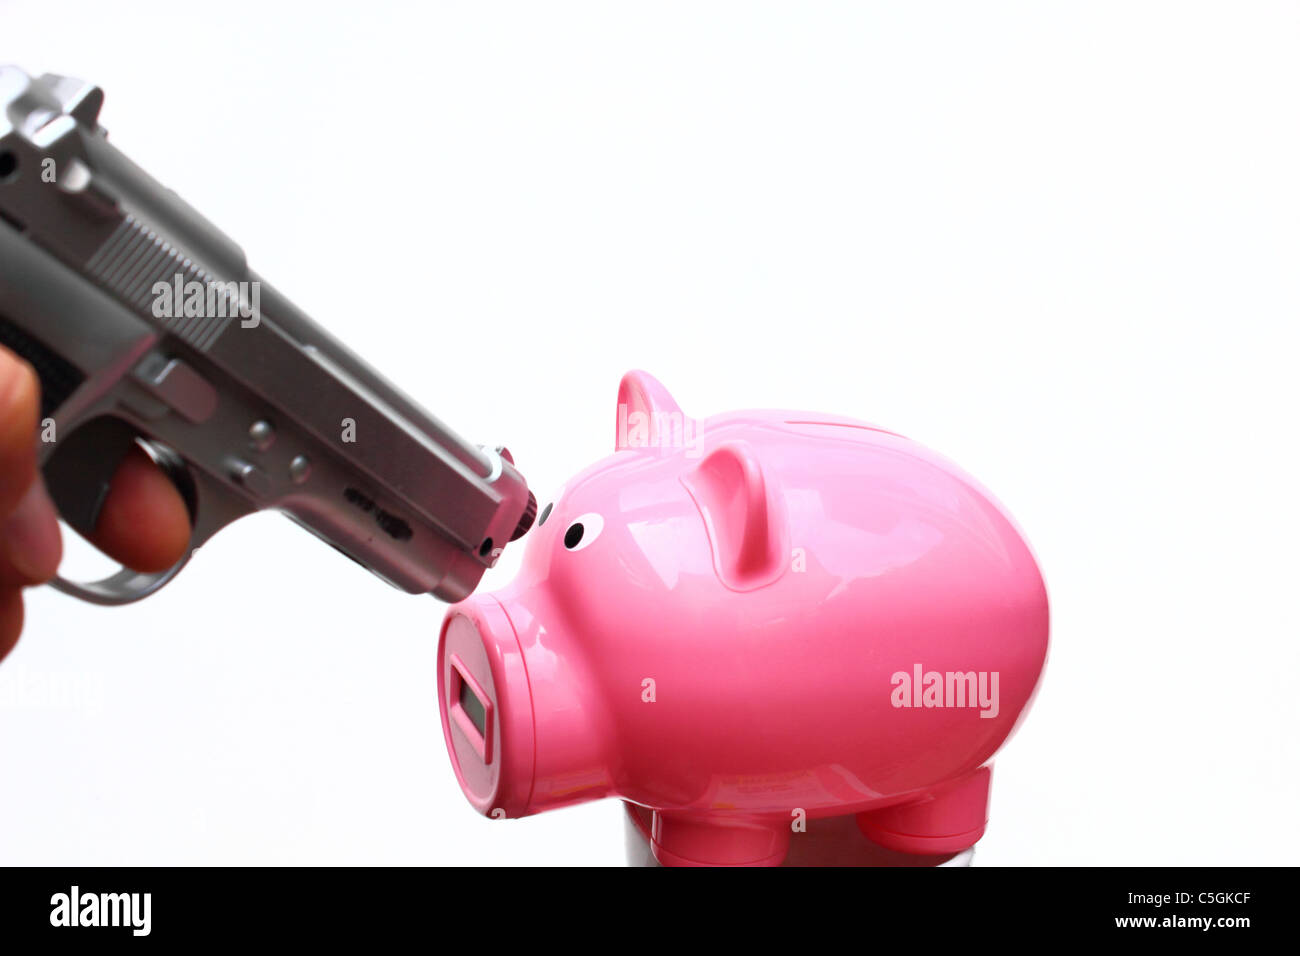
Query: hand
(143, 523)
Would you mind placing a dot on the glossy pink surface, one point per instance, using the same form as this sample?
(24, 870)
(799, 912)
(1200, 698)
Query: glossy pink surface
(769, 616)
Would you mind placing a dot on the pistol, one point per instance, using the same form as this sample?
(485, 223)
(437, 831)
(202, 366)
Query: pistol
(146, 326)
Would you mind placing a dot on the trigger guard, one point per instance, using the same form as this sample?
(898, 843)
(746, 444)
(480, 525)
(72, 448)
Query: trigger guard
(125, 586)
(121, 588)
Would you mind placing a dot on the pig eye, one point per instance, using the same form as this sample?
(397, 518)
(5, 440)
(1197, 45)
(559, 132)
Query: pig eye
(583, 531)
(546, 513)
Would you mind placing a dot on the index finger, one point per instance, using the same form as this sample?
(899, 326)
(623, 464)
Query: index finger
(19, 414)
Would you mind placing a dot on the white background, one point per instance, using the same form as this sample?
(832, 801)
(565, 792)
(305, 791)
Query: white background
(1058, 243)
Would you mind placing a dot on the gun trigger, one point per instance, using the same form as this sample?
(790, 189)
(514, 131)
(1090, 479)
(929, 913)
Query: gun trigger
(79, 474)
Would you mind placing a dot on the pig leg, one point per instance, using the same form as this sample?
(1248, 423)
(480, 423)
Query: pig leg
(947, 818)
(685, 839)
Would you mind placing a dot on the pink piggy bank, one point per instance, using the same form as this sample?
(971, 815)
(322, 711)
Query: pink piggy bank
(746, 623)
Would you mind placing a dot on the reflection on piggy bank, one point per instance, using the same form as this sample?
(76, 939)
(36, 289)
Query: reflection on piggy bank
(745, 623)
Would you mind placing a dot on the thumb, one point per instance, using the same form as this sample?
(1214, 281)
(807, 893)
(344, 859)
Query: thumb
(30, 546)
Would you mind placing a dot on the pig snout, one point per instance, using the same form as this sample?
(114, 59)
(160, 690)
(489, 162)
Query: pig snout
(486, 707)
(516, 718)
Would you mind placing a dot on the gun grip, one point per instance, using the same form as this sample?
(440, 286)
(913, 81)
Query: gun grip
(81, 470)
(58, 377)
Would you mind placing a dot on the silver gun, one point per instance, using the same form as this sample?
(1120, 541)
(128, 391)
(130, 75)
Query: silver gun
(145, 325)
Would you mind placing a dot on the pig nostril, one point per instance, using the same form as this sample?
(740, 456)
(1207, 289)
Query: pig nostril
(473, 708)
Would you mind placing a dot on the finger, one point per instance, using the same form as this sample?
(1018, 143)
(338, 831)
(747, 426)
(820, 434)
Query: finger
(19, 409)
(30, 544)
(144, 522)
(11, 619)
(30, 547)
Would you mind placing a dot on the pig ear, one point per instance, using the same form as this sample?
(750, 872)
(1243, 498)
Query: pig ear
(744, 514)
(647, 416)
